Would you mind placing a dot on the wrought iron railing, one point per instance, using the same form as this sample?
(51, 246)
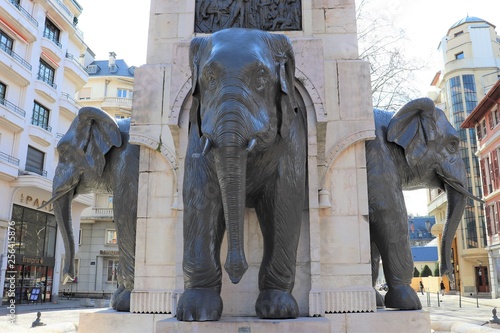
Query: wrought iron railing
(34, 169)
(13, 107)
(72, 58)
(44, 79)
(44, 126)
(47, 35)
(24, 12)
(15, 56)
(9, 159)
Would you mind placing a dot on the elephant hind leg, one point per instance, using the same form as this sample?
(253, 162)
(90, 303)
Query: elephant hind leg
(375, 260)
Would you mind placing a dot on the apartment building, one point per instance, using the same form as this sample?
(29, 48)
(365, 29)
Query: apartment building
(471, 66)
(485, 118)
(109, 88)
(42, 66)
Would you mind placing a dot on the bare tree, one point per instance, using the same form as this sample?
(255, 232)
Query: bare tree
(382, 44)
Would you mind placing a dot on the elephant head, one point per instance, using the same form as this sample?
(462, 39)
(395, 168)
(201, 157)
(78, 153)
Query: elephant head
(433, 160)
(243, 102)
(82, 160)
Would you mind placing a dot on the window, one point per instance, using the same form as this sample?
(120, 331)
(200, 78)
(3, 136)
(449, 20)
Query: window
(41, 116)
(84, 93)
(35, 160)
(458, 33)
(80, 233)
(110, 236)
(111, 269)
(3, 88)
(51, 31)
(6, 43)
(459, 55)
(483, 127)
(479, 131)
(110, 201)
(124, 93)
(92, 69)
(46, 73)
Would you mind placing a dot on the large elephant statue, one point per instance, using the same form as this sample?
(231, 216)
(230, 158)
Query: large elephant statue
(246, 148)
(414, 148)
(95, 156)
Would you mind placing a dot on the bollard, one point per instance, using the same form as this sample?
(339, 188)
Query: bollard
(477, 299)
(439, 302)
(428, 298)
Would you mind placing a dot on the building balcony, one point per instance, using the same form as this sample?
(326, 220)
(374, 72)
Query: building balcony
(12, 116)
(9, 169)
(19, 20)
(95, 213)
(14, 67)
(116, 103)
(28, 170)
(75, 71)
(68, 105)
(52, 48)
(40, 133)
(46, 89)
(68, 21)
(461, 64)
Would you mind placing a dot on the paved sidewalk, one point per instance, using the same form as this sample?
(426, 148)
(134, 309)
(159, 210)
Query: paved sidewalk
(64, 316)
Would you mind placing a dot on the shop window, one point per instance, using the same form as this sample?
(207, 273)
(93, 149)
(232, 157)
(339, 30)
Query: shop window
(111, 270)
(110, 236)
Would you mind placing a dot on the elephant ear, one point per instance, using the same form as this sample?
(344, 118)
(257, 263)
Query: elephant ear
(287, 106)
(96, 133)
(196, 47)
(412, 127)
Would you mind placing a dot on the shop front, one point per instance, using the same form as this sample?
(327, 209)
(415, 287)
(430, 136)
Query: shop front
(34, 252)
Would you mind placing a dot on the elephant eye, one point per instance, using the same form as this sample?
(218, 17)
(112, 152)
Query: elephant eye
(261, 79)
(210, 78)
(453, 146)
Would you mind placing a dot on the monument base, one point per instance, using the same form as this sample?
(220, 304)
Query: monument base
(382, 321)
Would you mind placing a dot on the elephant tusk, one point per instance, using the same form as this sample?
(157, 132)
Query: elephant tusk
(207, 147)
(459, 188)
(56, 196)
(251, 144)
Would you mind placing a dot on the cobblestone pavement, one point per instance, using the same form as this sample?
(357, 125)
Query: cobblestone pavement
(64, 316)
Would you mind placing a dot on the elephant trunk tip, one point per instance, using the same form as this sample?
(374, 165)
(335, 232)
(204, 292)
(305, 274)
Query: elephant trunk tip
(236, 270)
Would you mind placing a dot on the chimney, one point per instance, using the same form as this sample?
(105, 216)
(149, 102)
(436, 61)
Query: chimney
(112, 59)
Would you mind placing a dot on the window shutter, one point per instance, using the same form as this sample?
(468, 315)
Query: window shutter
(496, 176)
(490, 120)
(483, 177)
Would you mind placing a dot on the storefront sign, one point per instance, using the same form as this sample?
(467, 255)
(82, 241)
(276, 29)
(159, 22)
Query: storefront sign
(109, 253)
(34, 202)
(34, 261)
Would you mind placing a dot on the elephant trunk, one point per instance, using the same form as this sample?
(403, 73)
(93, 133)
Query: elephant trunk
(230, 163)
(456, 206)
(62, 211)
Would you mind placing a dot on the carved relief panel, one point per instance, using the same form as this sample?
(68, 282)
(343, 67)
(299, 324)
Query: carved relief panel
(270, 15)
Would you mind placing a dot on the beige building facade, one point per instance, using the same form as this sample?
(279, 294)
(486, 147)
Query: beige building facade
(471, 66)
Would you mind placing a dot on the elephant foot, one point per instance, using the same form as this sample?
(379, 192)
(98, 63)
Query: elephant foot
(199, 304)
(120, 301)
(402, 297)
(276, 304)
(380, 299)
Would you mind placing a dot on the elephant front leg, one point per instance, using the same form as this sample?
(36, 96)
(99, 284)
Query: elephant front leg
(389, 231)
(280, 219)
(203, 233)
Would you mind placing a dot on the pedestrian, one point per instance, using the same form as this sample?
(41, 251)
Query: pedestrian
(421, 287)
(442, 288)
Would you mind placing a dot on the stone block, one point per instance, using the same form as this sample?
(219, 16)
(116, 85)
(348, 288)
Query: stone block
(123, 322)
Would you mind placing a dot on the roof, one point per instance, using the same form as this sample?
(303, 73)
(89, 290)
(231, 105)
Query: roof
(424, 253)
(469, 19)
(122, 69)
(484, 106)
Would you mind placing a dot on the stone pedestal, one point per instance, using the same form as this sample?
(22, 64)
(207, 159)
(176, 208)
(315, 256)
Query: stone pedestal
(379, 322)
